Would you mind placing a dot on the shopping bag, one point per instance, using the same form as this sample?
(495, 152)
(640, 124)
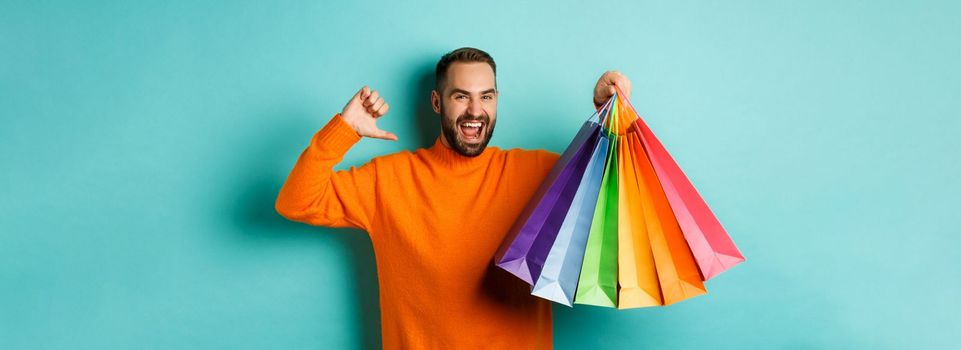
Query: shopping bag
(558, 279)
(637, 276)
(677, 272)
(523, 251)
(617, 223)
(597, 283)
(713, 249)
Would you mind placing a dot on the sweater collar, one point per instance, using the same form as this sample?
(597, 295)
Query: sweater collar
(448, 156)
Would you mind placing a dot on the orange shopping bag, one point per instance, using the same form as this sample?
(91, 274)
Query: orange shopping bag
(677, 271)
(636, 273)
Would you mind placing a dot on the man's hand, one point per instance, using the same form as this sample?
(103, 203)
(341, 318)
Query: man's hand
(362, 111)
(605, 86)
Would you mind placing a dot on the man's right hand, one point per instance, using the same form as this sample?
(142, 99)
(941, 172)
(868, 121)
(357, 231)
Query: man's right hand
(362, 111)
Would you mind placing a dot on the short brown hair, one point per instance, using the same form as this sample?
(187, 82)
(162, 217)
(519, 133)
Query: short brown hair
(464, 54)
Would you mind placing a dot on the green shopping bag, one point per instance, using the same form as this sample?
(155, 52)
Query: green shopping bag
(597, 284)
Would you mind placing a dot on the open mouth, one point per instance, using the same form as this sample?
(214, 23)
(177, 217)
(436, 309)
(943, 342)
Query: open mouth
(472, 130)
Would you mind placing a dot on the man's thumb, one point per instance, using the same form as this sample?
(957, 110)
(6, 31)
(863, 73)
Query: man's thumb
(381, 134)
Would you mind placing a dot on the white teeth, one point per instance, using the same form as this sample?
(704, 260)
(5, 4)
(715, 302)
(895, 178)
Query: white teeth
(472, 125)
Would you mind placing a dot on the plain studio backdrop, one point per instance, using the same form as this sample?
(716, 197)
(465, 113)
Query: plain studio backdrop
(142, 146)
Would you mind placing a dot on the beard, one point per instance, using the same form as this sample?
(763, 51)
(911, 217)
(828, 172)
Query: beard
(450, 129)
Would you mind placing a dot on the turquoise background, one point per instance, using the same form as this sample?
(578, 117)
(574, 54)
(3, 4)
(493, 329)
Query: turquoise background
(142, 145)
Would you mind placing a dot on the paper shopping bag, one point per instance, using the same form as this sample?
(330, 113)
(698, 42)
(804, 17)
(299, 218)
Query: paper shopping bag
(677, 272)
(558, 279)
(527, 244)
(597, 283)
(712, 248)
(637, 276)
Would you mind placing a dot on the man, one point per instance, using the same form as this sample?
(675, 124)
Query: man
(435, 216)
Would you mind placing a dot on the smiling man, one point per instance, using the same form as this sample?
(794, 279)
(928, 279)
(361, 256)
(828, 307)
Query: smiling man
(435, 216)
(468, 106)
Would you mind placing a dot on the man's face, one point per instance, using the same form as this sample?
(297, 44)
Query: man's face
(468, 107)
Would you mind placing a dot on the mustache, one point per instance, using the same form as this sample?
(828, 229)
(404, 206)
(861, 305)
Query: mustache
(473, 118)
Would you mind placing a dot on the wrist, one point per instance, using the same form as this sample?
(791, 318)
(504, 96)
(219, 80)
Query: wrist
(350, 121)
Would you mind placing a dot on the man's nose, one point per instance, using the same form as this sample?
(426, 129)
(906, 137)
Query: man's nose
(475, 108)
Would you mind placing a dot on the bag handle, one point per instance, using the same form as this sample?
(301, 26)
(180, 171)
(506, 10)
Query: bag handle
(613, 117)
(628, 102)
(600, 112)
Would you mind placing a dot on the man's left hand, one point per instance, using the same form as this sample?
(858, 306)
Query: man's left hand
(605, 86)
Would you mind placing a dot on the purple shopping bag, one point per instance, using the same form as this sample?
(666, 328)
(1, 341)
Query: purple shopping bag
(526, 246)
(562, 266)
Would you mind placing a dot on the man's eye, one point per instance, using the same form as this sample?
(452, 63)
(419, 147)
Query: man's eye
(488, 97)
(460, 97)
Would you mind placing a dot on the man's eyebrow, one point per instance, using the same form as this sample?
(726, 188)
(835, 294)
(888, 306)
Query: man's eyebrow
(465, 92)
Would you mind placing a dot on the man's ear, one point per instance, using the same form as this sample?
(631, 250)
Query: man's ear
(435, 101)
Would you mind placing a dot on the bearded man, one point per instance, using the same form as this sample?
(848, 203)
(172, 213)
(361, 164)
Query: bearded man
(435, 216)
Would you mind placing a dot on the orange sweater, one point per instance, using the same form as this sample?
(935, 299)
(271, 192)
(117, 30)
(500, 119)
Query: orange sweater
(435, 219)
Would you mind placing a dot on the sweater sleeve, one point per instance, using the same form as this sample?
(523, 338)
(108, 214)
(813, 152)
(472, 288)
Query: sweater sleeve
(316, 194)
